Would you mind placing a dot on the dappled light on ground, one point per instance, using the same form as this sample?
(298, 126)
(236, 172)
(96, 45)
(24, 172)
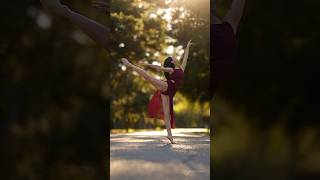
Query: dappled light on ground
(149, 155)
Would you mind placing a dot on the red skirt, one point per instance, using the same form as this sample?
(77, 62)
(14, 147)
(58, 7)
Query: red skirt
(155, 109)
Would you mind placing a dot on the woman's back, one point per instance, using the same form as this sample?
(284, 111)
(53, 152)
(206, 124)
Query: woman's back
(177, 76)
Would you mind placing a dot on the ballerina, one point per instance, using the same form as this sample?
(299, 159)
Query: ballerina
(224, 42)
(161, 104)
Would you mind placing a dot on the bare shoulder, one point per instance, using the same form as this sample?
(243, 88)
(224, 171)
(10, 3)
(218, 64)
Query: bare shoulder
(171, 70)
(180, 68)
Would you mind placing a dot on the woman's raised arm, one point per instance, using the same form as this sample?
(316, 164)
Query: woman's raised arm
(156, 67)
(185, 56)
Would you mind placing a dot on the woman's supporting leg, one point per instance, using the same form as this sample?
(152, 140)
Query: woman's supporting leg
(94, 30)
(234, 15)
(166, 110)
(158, 84)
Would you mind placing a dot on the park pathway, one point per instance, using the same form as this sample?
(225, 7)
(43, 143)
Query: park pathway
(149, 155)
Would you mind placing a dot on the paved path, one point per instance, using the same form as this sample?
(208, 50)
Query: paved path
(149, 155)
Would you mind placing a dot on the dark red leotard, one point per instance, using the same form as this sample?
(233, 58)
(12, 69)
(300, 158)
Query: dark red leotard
(155, 105)
(223, 53)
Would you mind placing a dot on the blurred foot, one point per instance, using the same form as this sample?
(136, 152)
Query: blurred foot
(55, 6)
(171, 139)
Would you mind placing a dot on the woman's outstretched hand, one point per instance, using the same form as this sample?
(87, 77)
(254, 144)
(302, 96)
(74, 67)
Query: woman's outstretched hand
(101, 6)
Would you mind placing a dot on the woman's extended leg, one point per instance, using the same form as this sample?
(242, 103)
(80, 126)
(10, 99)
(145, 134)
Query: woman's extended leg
(166, 110)
(160, 85)
(94, 30)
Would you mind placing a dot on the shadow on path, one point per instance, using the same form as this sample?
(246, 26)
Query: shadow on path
(149, 155)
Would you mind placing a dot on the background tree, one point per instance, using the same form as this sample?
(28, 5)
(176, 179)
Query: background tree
(151, 31)
(54, 95)
(272, 94)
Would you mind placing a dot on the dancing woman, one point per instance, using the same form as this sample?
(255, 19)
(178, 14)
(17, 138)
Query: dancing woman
(94, 30)
(174, 73)
(224, 42)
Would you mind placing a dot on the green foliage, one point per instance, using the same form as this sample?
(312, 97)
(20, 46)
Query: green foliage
(273, 89)
(143, 30)
(53, 95)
